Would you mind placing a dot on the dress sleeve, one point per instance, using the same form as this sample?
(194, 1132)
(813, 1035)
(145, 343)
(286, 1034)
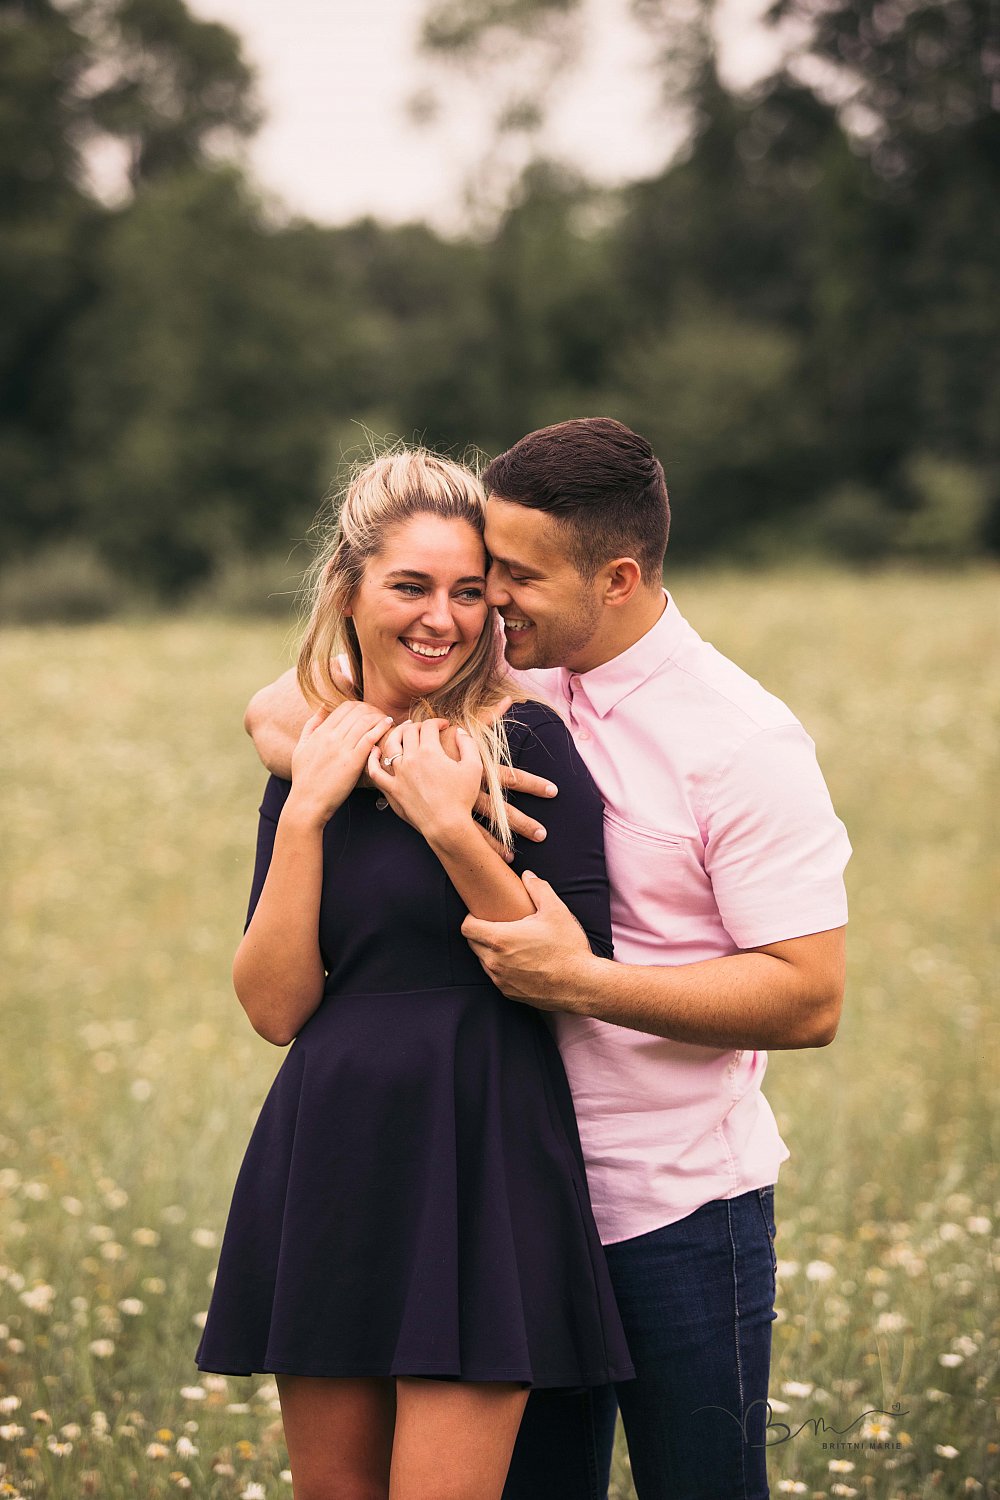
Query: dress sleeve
(571, 857)
(275, 793)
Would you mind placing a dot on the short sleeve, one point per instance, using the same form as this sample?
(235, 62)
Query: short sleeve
(775, 850)
(571, 857)
(275, 793)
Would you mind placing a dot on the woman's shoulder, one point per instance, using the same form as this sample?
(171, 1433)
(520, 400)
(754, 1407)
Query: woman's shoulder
(275, 796)
(530, 716)
(538, 736)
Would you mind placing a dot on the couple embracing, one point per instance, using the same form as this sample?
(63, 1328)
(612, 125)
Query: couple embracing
(540, 878)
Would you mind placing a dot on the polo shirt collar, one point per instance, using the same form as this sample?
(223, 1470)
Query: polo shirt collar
(605, 686)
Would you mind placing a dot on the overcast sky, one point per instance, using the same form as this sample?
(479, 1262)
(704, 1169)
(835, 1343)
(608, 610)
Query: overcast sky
(336, 75)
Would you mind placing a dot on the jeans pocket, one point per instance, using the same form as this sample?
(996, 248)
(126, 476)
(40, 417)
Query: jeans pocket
(765, 1197)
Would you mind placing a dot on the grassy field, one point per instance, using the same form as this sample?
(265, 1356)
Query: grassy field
(132, 1077)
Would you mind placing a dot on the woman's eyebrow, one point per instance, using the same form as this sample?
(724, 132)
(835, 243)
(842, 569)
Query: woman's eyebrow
(427, 578)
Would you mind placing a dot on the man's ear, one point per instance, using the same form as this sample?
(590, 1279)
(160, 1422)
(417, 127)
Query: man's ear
(623, 578)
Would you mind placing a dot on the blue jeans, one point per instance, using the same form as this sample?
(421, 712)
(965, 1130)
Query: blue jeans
(697, 1302)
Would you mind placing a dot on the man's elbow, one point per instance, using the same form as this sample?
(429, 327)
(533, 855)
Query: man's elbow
(824, 1019)
(254, 714)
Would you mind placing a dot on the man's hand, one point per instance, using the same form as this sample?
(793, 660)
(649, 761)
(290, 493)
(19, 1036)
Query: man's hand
(539, 959)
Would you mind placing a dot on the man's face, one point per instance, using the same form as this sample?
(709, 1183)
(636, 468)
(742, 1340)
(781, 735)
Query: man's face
(550, 612)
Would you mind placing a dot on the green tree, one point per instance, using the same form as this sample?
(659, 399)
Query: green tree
(172, 86)
(49, 225)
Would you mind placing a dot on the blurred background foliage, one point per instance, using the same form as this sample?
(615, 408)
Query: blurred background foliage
(801, 311)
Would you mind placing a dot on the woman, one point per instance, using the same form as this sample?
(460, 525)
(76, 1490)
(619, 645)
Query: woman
(410, 1245)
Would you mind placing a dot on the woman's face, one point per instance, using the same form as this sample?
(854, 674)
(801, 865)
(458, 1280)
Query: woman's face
(420, 610)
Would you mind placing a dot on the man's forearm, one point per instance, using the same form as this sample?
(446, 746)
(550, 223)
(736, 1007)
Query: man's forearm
(746, 1000)
(274, 719)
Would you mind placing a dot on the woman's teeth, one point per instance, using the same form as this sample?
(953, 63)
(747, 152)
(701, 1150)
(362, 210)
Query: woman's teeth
(431, 651)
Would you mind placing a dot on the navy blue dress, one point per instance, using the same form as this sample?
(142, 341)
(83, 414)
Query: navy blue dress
(413, 1200)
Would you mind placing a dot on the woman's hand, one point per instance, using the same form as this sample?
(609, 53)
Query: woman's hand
(330, 755)
(422, 782)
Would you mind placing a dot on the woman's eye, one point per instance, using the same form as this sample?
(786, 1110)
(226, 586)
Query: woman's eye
(471, 596)
(407, 588)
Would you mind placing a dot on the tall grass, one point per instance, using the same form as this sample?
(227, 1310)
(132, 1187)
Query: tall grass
(132, 1077)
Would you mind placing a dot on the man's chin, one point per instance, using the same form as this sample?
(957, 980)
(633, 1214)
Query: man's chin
(520, 654)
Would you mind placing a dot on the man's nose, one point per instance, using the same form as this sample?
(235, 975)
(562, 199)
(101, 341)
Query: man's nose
(496, 595)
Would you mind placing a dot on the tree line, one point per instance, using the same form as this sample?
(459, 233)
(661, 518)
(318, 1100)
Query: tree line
(801, 311)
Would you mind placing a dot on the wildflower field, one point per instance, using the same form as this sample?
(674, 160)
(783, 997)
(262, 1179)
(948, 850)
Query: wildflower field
(132, 1077)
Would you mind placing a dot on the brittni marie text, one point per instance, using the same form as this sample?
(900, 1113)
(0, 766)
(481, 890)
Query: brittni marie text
(779, 1432)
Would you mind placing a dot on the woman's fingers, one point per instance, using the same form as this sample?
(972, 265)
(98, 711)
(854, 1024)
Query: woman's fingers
(392, 744)
(313, 723)
(468, 750)
(370, 737)
(379, 776)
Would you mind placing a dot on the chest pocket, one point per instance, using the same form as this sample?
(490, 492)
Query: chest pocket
(654, 877)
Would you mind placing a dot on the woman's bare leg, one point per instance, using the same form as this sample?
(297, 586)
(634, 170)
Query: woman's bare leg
(453, 1439)
(339, 1436)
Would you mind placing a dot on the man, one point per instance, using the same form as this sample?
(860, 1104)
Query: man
(725, 860)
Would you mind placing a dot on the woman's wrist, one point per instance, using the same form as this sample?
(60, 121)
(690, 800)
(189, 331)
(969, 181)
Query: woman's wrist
(305, 813)
(452, 833)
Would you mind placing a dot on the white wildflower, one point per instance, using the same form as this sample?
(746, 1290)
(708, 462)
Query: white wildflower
(39, 1298)
(820, 1270)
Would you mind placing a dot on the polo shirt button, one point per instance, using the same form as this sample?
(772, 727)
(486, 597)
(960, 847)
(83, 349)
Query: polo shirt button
(583, 734)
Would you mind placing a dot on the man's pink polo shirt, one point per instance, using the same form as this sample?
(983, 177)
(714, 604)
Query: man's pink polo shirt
(720, 835)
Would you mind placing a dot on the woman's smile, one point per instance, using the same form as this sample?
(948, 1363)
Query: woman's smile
(432, 650)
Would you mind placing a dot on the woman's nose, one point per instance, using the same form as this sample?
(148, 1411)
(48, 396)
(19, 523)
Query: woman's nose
(437, 615)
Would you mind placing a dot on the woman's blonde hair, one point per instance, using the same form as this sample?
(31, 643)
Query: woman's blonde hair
(385, 492)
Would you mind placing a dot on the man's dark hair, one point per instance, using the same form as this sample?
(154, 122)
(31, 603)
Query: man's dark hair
(601, 481)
